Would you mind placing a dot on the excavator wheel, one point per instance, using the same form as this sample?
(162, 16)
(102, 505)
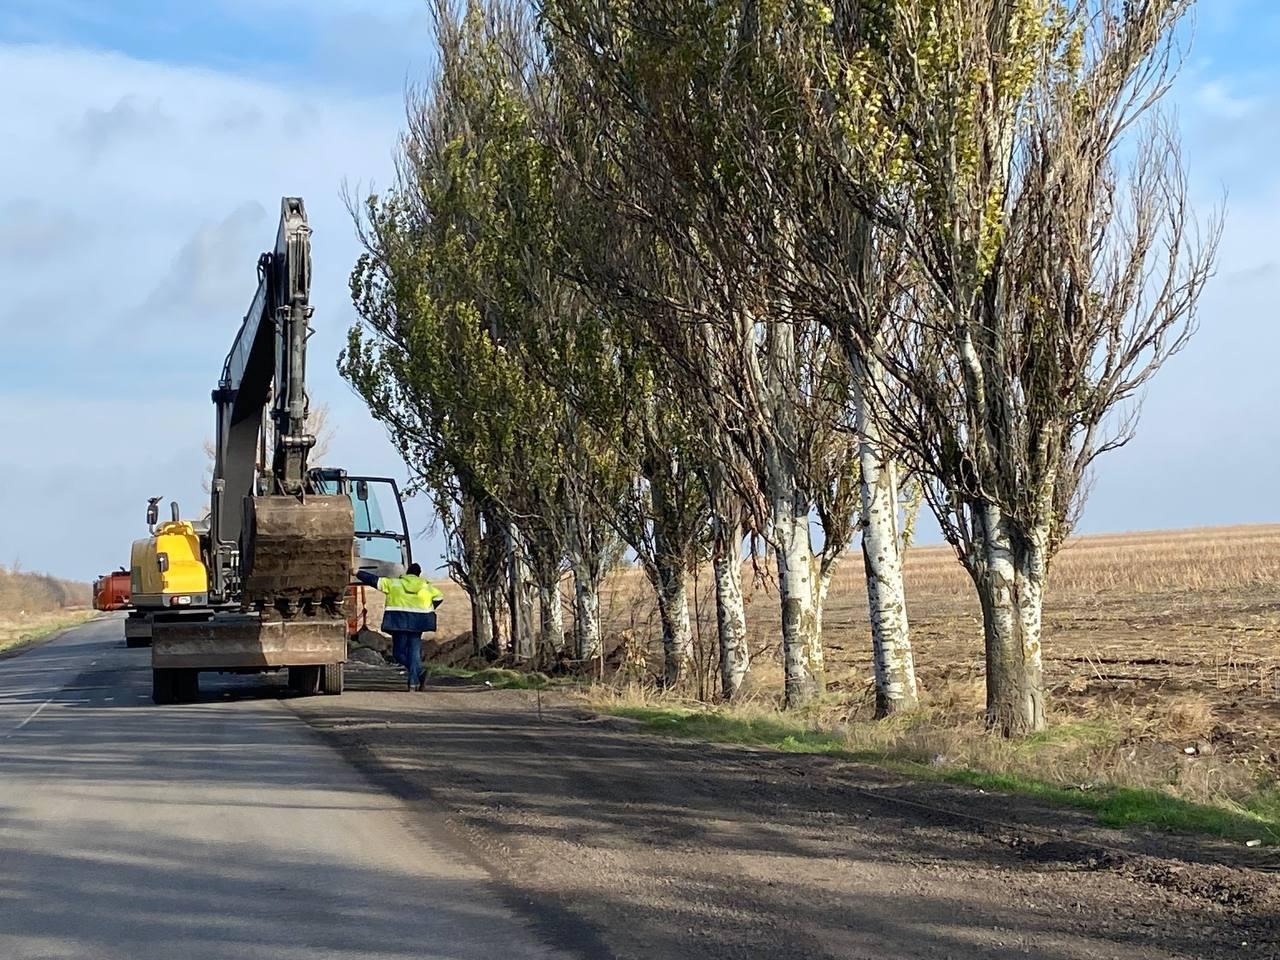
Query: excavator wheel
(162, 686)
(305, 680)
(175, 686)
(331, 681)
(188, 684)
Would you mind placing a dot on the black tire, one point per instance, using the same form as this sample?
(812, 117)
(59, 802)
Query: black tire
(331, 679)
(305, 680)
(187, 685)
(162, 686)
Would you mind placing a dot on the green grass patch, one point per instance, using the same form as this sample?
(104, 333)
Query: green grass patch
(1265, 804)
(1074, 733)
(775, 732)
(495, 677)
(1116, 806)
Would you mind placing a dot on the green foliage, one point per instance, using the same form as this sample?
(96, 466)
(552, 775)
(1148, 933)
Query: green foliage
(648, 249)
(447, 291)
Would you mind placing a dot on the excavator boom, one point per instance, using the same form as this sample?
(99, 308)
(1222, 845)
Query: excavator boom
(275, 541)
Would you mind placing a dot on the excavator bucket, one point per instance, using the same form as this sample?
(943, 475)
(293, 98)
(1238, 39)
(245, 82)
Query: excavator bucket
(296, 552)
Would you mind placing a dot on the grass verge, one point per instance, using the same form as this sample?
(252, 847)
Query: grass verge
(15, 634)
(1256, 817)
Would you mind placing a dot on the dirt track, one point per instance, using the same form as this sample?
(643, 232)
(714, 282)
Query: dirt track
(638, 847)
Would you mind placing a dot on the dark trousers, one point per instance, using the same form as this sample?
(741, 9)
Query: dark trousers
(407, 649)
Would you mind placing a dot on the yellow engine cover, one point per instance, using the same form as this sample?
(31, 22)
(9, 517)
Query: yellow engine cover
(166, 568)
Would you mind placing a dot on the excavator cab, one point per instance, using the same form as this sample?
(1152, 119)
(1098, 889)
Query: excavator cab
(381, 529)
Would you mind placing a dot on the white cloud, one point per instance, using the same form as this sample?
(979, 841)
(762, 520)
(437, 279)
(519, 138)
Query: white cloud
(1216, 98)
(136, 200)
(128, 119)
(32, 230)
(209, 276)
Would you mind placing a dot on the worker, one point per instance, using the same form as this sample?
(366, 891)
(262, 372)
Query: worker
(410, 612)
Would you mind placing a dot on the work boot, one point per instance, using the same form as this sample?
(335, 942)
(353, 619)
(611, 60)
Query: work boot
(422, 684)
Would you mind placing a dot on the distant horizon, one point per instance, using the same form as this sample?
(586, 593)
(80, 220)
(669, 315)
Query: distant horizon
(9, 568)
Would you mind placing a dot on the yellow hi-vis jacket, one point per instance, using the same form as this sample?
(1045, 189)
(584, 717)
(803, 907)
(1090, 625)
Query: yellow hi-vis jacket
(411, 604)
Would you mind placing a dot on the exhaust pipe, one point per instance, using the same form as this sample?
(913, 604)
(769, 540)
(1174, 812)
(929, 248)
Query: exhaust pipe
(173, 510)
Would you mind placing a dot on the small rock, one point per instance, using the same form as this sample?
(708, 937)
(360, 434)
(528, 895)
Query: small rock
(1253, 843)
(1189, 751)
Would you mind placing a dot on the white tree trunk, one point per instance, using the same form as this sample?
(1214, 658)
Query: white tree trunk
(673, 608)
(586, 613)
(551, 618)
(895, 672)
(521, 599)
(481, 622)
(801, 654)
(731, 617)
(472, 541)
(1010, 581)
(819, 604)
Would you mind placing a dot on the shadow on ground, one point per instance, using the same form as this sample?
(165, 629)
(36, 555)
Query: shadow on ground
(680, 850)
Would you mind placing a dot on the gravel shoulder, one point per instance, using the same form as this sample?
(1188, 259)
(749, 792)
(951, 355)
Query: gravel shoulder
(632, 846)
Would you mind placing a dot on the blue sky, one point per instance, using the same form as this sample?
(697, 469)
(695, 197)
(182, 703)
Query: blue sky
(147, 145)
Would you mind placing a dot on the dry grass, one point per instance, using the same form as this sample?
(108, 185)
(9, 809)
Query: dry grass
(15, 632)
(1164, 648)
(35, 604)
(27, 594)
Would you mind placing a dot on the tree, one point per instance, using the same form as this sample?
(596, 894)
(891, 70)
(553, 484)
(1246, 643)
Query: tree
(695, 147)
(443, 296)
(481, 349)
(1012, 149)
(728, 519)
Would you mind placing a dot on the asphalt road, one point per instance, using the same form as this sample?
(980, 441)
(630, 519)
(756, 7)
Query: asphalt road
(223, 829)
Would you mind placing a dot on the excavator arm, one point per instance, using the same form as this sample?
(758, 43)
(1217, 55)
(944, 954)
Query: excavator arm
(275, 541)
(270, 350)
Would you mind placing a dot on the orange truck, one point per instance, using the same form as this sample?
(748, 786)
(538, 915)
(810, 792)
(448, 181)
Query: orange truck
(111, 592)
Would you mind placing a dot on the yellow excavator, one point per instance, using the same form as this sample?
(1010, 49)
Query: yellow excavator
(260, 583)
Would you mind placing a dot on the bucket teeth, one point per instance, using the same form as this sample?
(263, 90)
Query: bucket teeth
(295, 552)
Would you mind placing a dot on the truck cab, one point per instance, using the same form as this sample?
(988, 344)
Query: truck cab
(112, 591)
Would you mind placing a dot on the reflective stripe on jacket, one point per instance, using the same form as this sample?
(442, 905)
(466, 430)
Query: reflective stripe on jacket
(411, 603)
